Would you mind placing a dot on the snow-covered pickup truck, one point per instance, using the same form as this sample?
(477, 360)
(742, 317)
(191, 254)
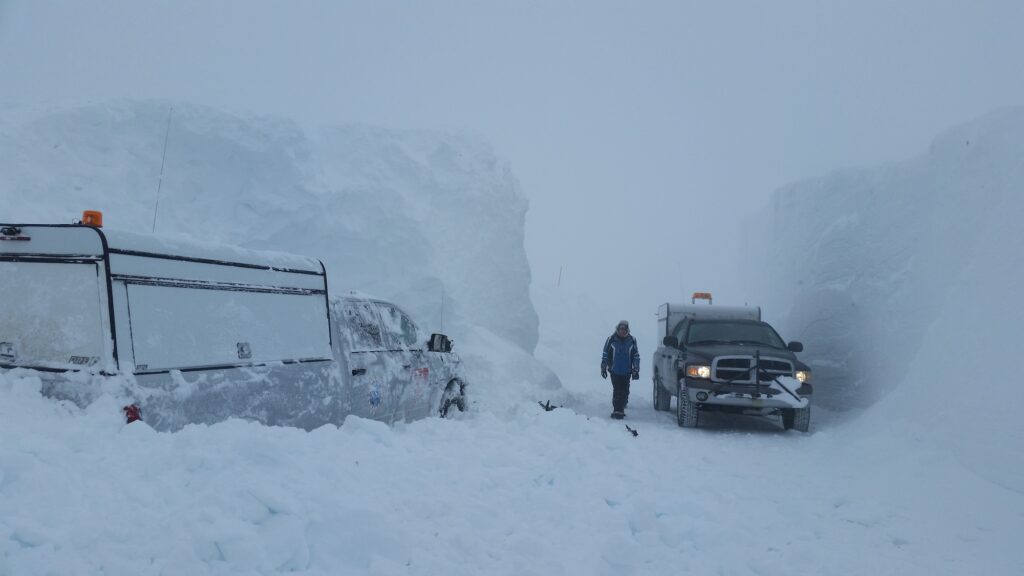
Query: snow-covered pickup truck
(725, 359)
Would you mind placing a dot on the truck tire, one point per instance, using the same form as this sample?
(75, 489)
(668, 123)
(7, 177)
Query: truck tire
(454, 396)
(798, 419)
(662, 398)
(686, 410)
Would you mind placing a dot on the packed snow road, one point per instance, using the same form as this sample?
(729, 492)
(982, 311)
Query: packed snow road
(518, 490)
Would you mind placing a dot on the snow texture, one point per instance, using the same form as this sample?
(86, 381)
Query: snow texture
(904, 277)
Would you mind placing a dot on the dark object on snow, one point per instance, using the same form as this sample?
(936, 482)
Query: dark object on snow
(633, 432)
(547, 405)
(132, 413)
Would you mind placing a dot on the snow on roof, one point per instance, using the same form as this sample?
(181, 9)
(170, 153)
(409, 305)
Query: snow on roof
(191, 248)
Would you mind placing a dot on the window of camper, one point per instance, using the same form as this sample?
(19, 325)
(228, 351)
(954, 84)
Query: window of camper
(52, 315)
(177, 327)
(364, 326)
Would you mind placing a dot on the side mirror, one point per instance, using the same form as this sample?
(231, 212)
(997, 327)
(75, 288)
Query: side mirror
(795, 346)
(670, 341)
(439, 343)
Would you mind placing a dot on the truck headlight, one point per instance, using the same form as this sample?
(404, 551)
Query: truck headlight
(698, 371)
(802, 375)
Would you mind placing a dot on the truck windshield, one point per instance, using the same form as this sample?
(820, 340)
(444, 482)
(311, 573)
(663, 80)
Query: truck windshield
(733, 332)
(50, 315)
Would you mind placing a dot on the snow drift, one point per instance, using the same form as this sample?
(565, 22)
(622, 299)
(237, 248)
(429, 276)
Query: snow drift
(434, 221)
(905, 283)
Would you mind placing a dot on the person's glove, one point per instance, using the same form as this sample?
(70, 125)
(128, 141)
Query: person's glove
(636, 375)
(604, 373)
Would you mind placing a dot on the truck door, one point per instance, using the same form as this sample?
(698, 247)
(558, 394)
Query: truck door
(679, 353)
(670, 357)
(410, 371)
(372, 396)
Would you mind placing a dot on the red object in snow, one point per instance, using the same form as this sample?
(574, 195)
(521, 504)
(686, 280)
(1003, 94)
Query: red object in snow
(132, 413)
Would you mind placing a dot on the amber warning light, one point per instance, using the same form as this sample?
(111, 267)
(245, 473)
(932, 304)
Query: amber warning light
(92, 218)
(701, 296)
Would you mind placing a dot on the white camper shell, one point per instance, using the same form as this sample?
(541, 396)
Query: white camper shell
(671, 314)
(175, 315)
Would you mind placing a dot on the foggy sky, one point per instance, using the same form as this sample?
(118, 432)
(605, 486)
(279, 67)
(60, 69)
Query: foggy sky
(642, 132)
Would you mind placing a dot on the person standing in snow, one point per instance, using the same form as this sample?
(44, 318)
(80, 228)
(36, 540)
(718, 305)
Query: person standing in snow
(621, 358)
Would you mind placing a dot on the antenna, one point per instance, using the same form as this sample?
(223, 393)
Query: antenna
(160, 181)
(442, 308)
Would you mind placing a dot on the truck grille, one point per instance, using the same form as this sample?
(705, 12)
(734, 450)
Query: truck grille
(737, 368)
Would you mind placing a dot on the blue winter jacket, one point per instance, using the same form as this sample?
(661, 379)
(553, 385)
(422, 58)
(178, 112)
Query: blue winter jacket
(620, 355)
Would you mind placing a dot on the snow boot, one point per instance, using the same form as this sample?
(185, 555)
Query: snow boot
(618, 415)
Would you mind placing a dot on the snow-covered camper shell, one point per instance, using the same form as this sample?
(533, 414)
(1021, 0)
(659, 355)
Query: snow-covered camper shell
(726, 359)
(200, 332)
(394, 371)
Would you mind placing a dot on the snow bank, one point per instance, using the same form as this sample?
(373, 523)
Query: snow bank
(905, 282)
(433, 221)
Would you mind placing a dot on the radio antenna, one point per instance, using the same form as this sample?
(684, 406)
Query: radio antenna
(163, 158)
(442, 308)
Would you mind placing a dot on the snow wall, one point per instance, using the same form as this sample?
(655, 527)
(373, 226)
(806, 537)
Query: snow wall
(432, 221)
(905, 282)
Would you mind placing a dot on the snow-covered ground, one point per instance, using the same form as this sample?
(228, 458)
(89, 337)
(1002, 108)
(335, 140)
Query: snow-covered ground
(534, 492)
(924, 479)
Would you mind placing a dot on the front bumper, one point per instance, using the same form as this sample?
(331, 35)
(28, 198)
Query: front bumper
(786, 393)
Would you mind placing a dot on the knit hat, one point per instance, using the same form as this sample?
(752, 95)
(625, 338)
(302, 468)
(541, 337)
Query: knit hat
(622, 323)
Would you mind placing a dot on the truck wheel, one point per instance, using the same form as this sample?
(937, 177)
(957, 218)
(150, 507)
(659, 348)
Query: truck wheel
(797, 418)
(662, 399)
(454, 397)
(686, 410)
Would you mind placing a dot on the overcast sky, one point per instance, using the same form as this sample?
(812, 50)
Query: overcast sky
(642, 132)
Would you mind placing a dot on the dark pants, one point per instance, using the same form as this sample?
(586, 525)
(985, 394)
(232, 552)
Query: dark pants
(620, 392)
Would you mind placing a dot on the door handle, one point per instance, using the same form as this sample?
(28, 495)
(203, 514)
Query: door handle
(358, 371)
